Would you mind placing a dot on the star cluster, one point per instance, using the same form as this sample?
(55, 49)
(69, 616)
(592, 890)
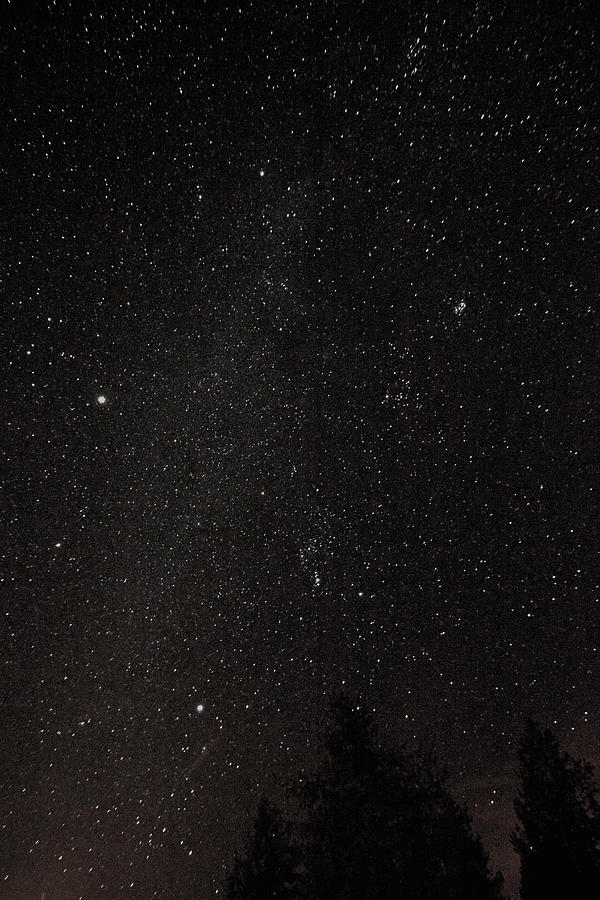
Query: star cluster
(299, 395)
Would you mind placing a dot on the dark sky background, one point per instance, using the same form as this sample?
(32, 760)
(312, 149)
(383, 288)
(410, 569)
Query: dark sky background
(299, 394)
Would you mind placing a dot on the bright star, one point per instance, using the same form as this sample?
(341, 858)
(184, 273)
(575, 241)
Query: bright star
(200, 707)
(101, 399)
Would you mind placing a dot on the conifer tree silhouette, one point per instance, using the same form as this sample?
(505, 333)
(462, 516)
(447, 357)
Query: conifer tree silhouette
(382, 824)
(558, 835)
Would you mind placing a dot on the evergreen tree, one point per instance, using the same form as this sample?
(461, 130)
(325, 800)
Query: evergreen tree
(268, 871)
(382, 825)
(558, 836)
(341, 803)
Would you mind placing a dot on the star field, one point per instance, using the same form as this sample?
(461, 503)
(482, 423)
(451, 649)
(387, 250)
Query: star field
(300, 376)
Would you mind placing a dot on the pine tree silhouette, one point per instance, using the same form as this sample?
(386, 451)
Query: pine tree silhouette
(558, 836)
(381, 824)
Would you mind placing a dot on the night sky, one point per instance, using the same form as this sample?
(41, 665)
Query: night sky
(299, 307)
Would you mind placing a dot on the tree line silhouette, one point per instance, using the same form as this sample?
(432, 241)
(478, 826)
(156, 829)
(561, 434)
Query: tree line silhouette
(377, 823)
